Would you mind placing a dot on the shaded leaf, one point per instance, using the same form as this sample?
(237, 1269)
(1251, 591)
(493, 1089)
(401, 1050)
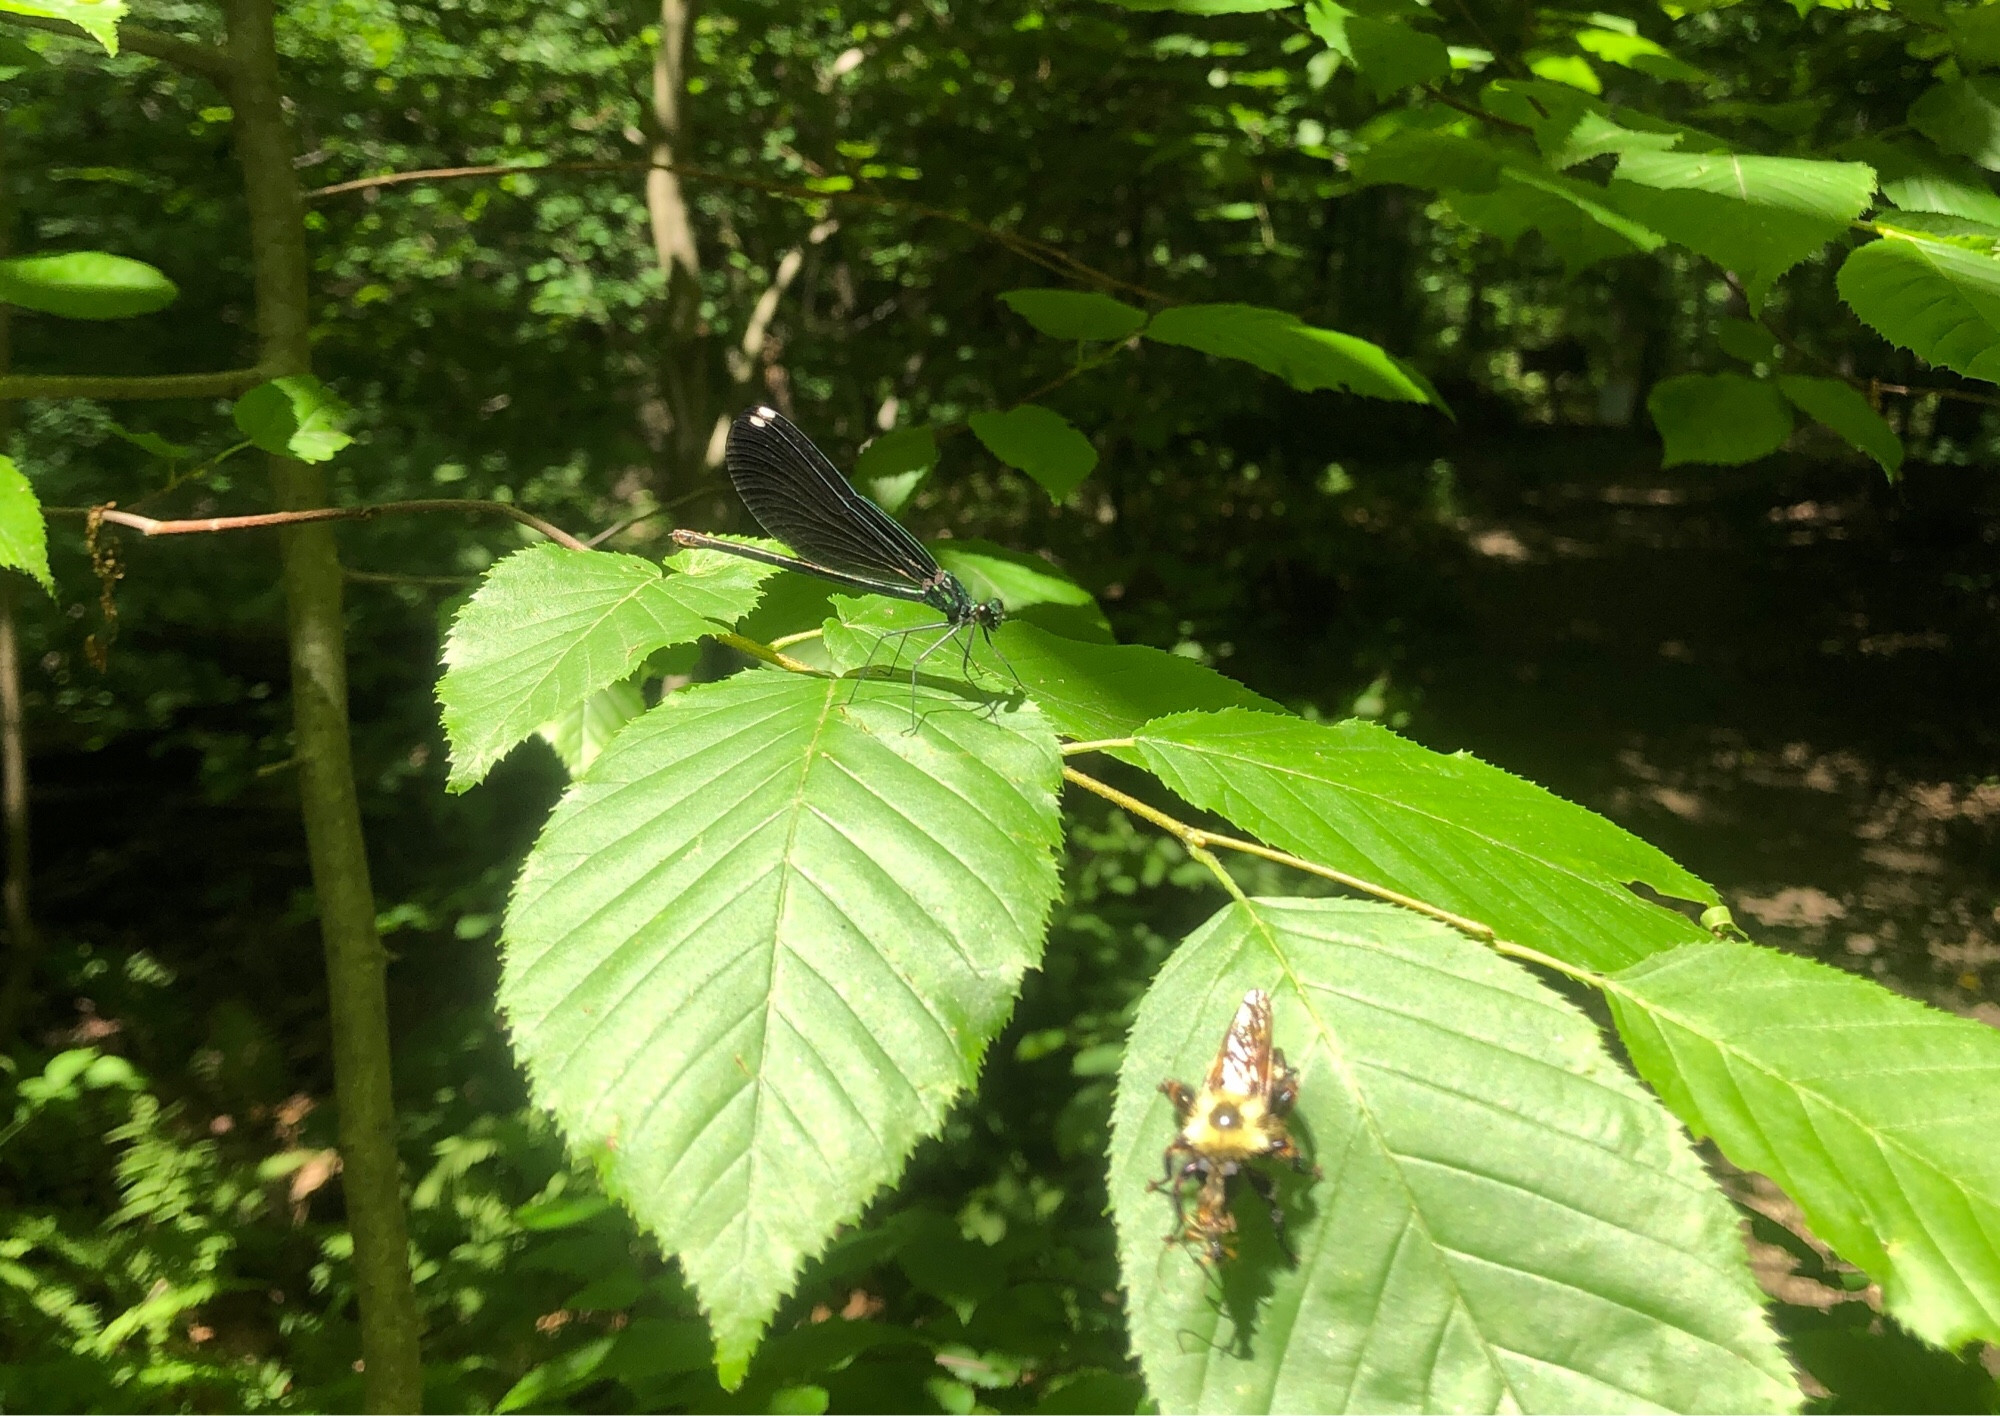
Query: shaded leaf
(549, 627)
(1873, 1112)
(580, 733)
(1206, 7)
(1722, 419)
(84, 285)
(1594, 135)
(1392, 56)
(1075, 314)
(1572, 217)
(1840, 406)
(1027, 585)
(1416, 158)
(761, 947)
(295, 416)
(1451, 831)
(1963, 117)
(1746, 340)
(1304, 356)
(1938, 300)
(24, 531)
(893, 466)
(1916, 177)
(1507, 1221)
(1040, 442)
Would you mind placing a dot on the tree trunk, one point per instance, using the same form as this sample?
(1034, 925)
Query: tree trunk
(355, 962)
(684, 374)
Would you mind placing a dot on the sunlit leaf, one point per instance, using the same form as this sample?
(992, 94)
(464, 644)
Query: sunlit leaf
(1448, 830)
(1756, 216)
(1306, 357)
(1594, 135)
(1391, 55)
(1027, 585)
(96, 18)
(1721, 419)
(1916, 177)
(85, 285)
(1507, 1222)
(1873, 1112)
(550, 627)
(761, 947)
(295, 416)
(1936, 299)
(24, 531)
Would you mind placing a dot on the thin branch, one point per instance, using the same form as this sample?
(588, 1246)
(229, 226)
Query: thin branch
(1074, 749)
(1052, 258)
(1462, 106)
(428, 582)
(225, 383)
(1984, 400)
(151, 526)
(765, 653)
(204, 59)
(1194, 838)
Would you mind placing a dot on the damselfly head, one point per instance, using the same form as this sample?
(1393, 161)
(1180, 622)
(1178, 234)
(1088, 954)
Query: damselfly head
(989, 613)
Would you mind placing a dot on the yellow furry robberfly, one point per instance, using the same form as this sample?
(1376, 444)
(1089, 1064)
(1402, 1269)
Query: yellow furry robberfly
(1239, 1115)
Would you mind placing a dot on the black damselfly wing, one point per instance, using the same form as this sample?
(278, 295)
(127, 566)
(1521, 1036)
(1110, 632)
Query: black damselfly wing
(801, 498)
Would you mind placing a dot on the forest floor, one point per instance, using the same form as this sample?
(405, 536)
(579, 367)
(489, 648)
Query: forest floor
(1790, 683)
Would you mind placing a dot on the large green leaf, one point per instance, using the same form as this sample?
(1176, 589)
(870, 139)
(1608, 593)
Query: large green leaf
(761, 947)
(1207, 7)
(1091, 691)
(1916, 177)
(1451, 831)
(1936, 299)
(1962, 116)
(1873, 1112)
(1757, 216)
(85, 285)
(24, 530)
(1304, 356)
(1572, 217)
(1595, 134)
(1635, 51)
(1075, 314)
(1507, 1221)
(96, 18)
(550, 627)
(1840, 406)
(1723, 419)
(1418, 158)
(294, 416)
(1041, 442)
(892, 466)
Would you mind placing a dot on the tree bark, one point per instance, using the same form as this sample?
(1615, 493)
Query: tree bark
(355, 962)
(684, 381)
(24, 941)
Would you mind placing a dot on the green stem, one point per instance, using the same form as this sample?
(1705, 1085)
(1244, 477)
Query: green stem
(392, 1372)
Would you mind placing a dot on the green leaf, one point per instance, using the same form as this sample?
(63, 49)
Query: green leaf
(96, 18)
(761, 947)
(544, 1386)
(24, 531)
(1571, 69)
(1027, 585)
(1840, 406)
(1075, 314)
(153, 443)
(1594, 135)
(1390, 55)
(549, 627)
(1962, 116)
(1916, 177)
(578, 734)
(894, 465)
(1757, 216)
(1975, 34)
(1451, 831)
(1634, 51)
(1938, 300)
(1092, 691)
(1550, 110)
(1439, 161)
(295, 416)
(1873, 1112)
(85, 285)
(1507, 1221)
(1207, 7)
(1571, 216)
(1306, 357)
(1722, 419)
(1040, 442)
(1746, 340)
